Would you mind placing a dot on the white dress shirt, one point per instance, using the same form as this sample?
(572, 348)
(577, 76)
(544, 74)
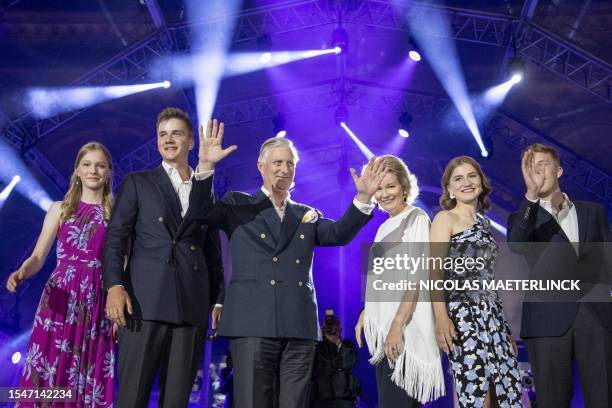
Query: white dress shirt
(364, 208)
(182, 187)
(566, 217)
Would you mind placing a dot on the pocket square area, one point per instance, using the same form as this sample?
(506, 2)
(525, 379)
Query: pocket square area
(311, 216)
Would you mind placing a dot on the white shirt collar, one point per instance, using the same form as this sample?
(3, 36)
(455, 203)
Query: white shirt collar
(170, 171)
(269, 195)
(566, 205)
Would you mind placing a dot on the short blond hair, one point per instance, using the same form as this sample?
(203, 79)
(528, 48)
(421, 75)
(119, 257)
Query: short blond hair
(275, 142)
(405, 177)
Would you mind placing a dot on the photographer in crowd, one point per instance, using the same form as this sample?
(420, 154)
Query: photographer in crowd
(334, 383)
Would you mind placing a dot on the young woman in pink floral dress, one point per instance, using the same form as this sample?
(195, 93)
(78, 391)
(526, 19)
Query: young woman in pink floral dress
(72, 340)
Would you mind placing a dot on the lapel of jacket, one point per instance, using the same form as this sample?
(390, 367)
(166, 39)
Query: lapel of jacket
(547, 221)
(293, 216)
(266, 209)
(170, 198)
(582, 217)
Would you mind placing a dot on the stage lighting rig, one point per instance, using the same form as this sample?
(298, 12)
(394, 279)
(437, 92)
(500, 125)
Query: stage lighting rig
(341, 115)
(340, 40)
(516, 70)
(279, 125)
(405, 121)
(414, 52)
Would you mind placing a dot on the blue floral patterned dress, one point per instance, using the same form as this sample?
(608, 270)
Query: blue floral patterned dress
(482, 355)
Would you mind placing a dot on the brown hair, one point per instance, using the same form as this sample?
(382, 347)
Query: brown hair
(448, 203)
(75, 191)
(174, 113)
(542, 148)
(406, 179)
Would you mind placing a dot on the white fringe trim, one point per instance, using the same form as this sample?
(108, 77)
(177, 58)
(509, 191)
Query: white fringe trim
(423, 381)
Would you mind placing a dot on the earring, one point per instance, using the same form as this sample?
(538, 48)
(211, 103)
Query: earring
(78, 181)
(452, 196)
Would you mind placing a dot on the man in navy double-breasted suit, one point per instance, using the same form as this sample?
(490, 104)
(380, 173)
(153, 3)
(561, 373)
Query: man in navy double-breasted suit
(270, 307)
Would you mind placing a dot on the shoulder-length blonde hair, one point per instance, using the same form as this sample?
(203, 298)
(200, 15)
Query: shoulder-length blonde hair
(405, 177)
(448, 203)
(75, 191)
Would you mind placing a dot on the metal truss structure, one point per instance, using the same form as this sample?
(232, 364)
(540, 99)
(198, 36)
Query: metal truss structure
(319, 96)
(579, 171)
(535, 44)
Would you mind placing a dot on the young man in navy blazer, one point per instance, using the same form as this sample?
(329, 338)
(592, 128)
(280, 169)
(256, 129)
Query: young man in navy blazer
(173, 275)
(270, 307)
(558, 332)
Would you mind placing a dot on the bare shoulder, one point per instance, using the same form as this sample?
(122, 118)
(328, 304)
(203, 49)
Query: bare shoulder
(445, 218)
(55, 209)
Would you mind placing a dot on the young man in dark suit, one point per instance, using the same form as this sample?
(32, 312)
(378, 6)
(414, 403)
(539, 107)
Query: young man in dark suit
(270, 308)
(173, 275)
(558, 332)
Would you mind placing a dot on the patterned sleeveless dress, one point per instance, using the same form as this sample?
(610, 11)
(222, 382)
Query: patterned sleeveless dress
(71, 344)
(482, 354)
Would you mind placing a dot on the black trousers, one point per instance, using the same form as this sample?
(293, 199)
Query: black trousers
(145, 347)
(272, 372)
(389, 394)
(551, 360)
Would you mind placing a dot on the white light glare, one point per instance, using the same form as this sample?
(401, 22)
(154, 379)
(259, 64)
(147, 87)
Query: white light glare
(16, 357)
(337, 50)
(403, 133)
(364, 149)
(265, 57)
(414, 55)
(516, 78)
(7, 190)
(281, 133)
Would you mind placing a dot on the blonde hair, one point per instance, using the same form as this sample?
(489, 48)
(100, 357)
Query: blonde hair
(405, 177)
(275, 142)
(448, 203)
(73, 196)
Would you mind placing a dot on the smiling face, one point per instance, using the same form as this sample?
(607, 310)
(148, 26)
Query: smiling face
(277, 169)
(93, 170)
(391, 195)
(174, 140)
(465, 183)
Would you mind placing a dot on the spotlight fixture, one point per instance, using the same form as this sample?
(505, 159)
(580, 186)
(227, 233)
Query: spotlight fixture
(405, 121)
(414, 52)
(279, 125)
(341, 115)
(16, 357)
(340, 40)
(487, 141)
(516, 70)
(166, 84)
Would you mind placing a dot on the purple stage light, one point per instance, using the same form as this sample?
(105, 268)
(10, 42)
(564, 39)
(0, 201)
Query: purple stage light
(414, 55)
(403, 133)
